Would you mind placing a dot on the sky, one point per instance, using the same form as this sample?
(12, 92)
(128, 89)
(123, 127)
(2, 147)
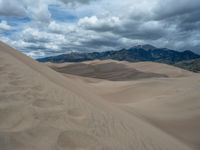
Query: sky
(41, 28)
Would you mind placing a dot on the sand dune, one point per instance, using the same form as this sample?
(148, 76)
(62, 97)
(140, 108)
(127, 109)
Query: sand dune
(119, 71)
(171, 104)
(41, 109)
(113, 71)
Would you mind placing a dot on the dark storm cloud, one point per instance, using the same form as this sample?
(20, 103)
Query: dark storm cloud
(36, 47)
(182, 18)
(12, 8)
(36, 40)
(101, 42)
(150, 30)
(170, 8)
(185, 14)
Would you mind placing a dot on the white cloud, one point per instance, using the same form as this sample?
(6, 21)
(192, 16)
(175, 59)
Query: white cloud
(4, 26)
(60, 27)
(38, 11)
(99, 24)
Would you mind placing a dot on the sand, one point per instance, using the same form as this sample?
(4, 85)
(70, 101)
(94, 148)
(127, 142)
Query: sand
(111, 70)
(169, 103)
(41, 109)
(119, 70)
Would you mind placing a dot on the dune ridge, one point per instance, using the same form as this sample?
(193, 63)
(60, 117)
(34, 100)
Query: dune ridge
(119, 71)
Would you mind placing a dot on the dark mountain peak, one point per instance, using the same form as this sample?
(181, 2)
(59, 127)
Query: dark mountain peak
(145, 47)
(134, 54)
(188, 52)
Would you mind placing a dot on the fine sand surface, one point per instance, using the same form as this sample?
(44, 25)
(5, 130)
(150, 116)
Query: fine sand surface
(41, 109)
(171, 104)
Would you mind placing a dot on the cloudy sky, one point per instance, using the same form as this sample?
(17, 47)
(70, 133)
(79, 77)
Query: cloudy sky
(49, 27)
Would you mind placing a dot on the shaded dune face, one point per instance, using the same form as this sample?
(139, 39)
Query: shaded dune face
(42, 110)
(109, 71)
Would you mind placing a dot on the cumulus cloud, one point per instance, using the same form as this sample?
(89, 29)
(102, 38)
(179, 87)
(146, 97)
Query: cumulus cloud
(40, 12)
(4, 26)
(99, 24)
(60, 28)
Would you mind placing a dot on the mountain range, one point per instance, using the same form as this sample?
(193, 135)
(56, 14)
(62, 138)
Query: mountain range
(134, 54)
(140, 53)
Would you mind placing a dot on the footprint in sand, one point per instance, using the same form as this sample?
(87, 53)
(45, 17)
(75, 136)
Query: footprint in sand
(76, 113)
(45, 103)
(75, 140)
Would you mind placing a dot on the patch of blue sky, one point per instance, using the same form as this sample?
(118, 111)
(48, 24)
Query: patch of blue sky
(15, 21)
(7, 33)
(62, 14)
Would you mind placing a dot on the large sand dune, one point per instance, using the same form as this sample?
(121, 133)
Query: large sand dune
(119, 71)
(41, 109)
(109, 70)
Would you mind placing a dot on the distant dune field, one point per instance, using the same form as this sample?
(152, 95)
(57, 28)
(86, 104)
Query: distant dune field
(119, 71)
(41, 109)
(169, 102)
